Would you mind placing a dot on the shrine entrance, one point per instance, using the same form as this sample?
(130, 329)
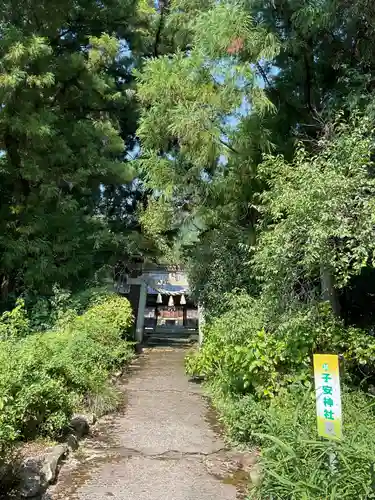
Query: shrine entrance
(169, 313)
(162, 303)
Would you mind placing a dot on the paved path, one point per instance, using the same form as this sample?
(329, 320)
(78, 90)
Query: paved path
(161, 446)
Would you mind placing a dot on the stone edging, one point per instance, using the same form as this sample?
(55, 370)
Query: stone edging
(35, 474)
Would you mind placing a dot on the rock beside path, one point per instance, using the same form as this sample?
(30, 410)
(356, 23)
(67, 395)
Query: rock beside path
(37, 473)
(80, 425)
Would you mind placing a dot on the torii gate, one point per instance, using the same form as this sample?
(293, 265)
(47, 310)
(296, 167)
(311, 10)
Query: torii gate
(159, 281)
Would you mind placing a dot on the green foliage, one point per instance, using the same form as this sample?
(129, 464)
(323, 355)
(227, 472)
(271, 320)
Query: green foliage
(238, 353)
(207, 119)
(67, 121)
(320, 211)
(185, 125)
(44, 377)
(47, 312)
(259, 370)
(15, 323)
(213, 268)
(185, 98)
(244, 351)
(297, 465)
(257, 135)
(241, 416)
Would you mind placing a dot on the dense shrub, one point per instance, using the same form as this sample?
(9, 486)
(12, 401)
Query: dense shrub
(259, 370)
(44, 376)
(244, 351)
(240, 355)
(296, 464)
(233, 349)
(45, 311)
(241, 416)
(14, 323)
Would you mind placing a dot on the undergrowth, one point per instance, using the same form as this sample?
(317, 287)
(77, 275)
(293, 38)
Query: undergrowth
(45, 377)
(259, 373)
(295, 462)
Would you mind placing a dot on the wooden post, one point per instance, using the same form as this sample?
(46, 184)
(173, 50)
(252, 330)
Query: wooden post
(184, 315)
(200, 323)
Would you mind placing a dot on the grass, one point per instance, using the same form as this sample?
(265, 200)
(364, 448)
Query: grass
(296, 464)
(107, 400)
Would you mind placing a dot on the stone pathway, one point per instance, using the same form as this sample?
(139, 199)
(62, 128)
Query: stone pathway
(161, 446)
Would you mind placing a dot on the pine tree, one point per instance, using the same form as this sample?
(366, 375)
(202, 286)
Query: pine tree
(195, 142)
(65, 92)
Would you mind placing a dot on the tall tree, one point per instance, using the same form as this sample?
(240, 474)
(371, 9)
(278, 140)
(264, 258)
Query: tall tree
(256, 77)
(66, 118)
(197, 153)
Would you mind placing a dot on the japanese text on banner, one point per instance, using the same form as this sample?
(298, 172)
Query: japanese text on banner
(328, 397)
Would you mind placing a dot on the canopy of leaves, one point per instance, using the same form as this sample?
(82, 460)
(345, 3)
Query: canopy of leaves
(257, 140)
(241, 129)
(318, 213)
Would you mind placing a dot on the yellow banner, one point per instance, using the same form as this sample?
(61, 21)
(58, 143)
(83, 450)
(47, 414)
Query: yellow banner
(328, 397)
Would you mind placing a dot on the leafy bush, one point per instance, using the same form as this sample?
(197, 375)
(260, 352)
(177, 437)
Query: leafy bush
(46, 312)
(15, 323)
(44, 376)
(296, 464)
(318, 213)
(244, 351)
(259, 370)
(238, 353)
(241, 416)
(236, 349)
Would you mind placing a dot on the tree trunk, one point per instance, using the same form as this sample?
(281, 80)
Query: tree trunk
(329, 292)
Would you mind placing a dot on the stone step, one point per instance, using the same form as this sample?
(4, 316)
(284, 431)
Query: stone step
(169, 340)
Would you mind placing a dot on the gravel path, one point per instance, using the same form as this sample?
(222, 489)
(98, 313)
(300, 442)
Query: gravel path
(161, 446)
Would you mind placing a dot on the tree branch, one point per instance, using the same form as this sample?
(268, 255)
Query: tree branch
(263, 74)
(229, 147)
(163, 10)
